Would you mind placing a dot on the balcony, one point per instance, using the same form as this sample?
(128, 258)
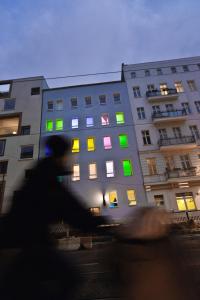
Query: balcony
(169, 116)
(180, 173)
(164, 95)
(177, 143)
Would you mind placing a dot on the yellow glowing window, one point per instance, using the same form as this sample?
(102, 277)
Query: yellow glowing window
(49, 125)
(76, 173)
(113, 199)
(75, 145)
(120, 118)
(190, 203)
(131, 197)
(180, 203)
(59, 124)
(91, 144)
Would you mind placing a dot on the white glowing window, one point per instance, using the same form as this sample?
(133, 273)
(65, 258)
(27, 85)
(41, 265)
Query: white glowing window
(104, 119)
(76, 172)
(110, 169)
(75, 123)
(107, 142)
(89, 121)
(92, 171)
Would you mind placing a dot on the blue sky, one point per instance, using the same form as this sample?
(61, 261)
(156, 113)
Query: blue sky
(64, 37)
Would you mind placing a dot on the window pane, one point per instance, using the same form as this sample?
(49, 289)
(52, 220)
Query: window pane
(131, 197)
(76, 173)
(75, 123)
(75, 145)
(35, 91)
(104, 119)
(3, 167)
(123, 140)
(92, 171)
(59, 105)
(113, 199)
(25, 130)
(26, 152)
(89, 122)
(2, 147)
(91, 144)
(102, 99)
(49, 125)
(88, 101)
(74, 102)
(9, 104)
(107, 142)
(190, 203)
(120, 117)
(50, 105)
(9, 125)
(59, 124)
(181, 204)
(127, 167)
(109, 169)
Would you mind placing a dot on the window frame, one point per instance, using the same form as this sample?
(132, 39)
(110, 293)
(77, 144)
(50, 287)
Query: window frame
(77, 177)
(86, 121)
(117, 114)
(23, 146)
(131, 169)
(3, 141)
(110, 174)
(92, 176)
(77, 150)
(110, 145)
(102, 97)
(71, 101)
(34, 91)
(108, 121)
(131, 202)
(93, 142)
(77, 123)
(120, 144)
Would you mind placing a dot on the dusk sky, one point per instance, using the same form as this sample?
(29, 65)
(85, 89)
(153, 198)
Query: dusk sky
(68, 37)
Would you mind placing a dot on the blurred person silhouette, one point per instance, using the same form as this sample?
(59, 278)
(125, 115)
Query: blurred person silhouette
(39, 270)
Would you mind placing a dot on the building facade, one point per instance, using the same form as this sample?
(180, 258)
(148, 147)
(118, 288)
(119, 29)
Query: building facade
(106, 172)
(20, 116)
(165, 102)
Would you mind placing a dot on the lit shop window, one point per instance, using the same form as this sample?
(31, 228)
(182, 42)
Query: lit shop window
(49, 125)
(107, 142)
(120, 118)
(59, 124)
(75, 145)
(131, 197)
(76, 172)
(91, 143)
(74, 123)
(104, 119)
(113, 199)
(123, 140)
(89, 121)
(110, 168)
(92, 171)
(127, 167)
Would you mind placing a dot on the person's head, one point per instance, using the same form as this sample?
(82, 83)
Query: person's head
(57, 147)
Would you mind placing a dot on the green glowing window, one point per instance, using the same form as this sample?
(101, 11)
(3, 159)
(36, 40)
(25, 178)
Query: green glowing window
(123, 140)
(59, 124)
(120, 118)
(127, 167)
(75, 145)
(49, 125)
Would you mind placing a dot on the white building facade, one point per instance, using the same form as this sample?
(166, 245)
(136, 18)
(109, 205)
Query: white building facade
(20, 117)
(165, 102)
(106, 172)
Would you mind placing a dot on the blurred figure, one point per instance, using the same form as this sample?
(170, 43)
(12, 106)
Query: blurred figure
(150, 259)
(39, 271)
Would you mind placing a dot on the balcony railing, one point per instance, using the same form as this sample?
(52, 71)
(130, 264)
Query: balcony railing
(176, 141)
(164, 92)
(177, 173)
(169, 114)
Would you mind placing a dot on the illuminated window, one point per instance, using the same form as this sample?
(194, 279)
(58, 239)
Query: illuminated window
(179, 87)
(151, 163)
(75, 145)
(95, 211)
(185, 201)
(91, 143)
(9, 125)
(59, 124)
(107, 142)
(131, 197)
(49, 125)
(163, 89)
(74, 123)
(104, 119)
(120, 118)
(76, 172)
(89, 121)
(127, 167)
(110, 168)
(92, 171)
(123, 140)
(113, 199)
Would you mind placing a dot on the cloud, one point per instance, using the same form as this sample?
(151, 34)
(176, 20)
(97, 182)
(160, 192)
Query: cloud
(83, 36)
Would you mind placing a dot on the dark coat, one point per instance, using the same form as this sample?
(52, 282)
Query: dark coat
(41, 201)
